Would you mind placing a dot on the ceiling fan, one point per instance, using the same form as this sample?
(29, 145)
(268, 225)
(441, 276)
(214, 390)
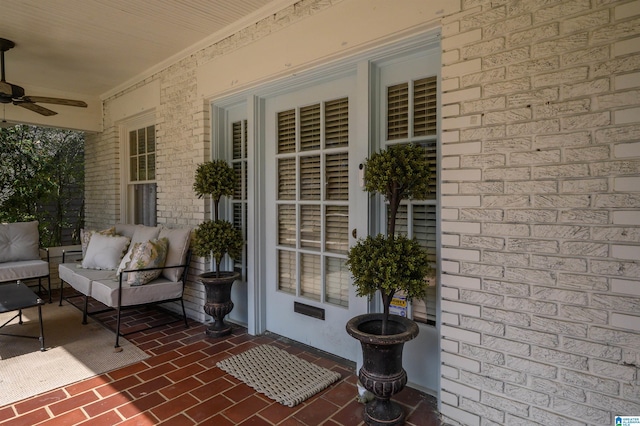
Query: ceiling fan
(11, 93)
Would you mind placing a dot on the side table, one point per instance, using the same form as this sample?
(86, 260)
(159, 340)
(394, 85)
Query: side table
(15, 297)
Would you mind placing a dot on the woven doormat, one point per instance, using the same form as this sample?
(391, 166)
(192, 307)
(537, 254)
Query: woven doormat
(279, 375)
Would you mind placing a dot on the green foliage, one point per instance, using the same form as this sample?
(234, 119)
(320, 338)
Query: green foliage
(389, 264)
(215, 238)
(215, 178)
(399, 172)
(41, 177)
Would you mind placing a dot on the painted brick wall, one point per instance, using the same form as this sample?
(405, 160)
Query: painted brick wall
(183, 141)
(541, 195)
(541, 212)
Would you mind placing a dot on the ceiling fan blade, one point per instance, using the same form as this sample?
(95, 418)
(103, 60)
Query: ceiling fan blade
(36, 108)
(57, 101)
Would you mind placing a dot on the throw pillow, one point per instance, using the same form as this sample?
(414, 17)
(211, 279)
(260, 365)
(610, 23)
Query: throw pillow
(126, 260)
(105, 252)
(85, 237)
(150, 254)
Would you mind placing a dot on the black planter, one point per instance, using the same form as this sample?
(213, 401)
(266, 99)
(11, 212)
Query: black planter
(219, 302)
(382, 373)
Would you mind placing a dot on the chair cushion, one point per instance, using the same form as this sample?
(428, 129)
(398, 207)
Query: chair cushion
(23, 270)
(19, 241)
(105, 252)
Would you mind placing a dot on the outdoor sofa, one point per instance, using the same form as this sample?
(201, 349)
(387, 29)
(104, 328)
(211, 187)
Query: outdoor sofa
(129, 265)
(21, 257)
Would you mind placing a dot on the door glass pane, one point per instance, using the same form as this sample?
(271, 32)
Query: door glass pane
(425, 106)
(336, 123)
(287, 271)
(337, 282)
(398, 111)
(310, 128)
(337, 229)
(287, 225)
(287, 131)
(310, 226)
(310, 178)
(237, 140)
(337, 176)
(310, 276)
(286, 179)
(238, 134)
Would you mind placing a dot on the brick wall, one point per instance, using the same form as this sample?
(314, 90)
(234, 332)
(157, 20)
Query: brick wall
(183, 141)
(541, 192)
(541, 220)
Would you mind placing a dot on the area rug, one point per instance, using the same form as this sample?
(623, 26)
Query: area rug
(283, 377)
(74, 352)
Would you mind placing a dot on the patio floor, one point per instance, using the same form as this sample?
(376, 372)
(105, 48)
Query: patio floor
(180, 385)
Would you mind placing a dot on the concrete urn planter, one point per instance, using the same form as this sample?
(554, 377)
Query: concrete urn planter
(218, 303)
(382, 373)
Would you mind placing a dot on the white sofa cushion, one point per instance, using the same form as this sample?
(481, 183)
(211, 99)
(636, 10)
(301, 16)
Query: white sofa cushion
(105, 252)
(19, 241)
(179, 240)
(137, 233)
(106, 291)
(81, 279)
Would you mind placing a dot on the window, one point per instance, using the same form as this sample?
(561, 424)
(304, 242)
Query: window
(313, 201)
(142, 191)
(411, 117)
(239, 199)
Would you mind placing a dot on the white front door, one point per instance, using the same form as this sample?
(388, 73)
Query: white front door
(314, 209)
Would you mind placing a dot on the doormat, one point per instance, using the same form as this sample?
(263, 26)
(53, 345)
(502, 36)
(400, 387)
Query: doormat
(74, 352)
(283, 377)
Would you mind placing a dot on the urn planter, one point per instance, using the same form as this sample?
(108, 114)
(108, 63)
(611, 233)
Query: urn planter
(382, 373)
(218, 303)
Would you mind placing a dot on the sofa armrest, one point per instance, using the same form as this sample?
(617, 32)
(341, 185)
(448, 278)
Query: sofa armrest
(71, 252)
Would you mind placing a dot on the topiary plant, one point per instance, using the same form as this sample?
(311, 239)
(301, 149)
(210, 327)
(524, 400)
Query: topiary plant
(215, 238)
(217, 179)
(392, 263)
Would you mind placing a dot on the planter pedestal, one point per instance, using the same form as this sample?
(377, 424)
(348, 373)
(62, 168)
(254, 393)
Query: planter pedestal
(382, 373)
(218, 303)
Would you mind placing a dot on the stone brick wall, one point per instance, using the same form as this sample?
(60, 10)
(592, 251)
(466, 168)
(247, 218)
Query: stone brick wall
(541, 212)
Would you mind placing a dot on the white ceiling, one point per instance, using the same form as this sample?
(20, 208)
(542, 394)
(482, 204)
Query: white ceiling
(91, 47)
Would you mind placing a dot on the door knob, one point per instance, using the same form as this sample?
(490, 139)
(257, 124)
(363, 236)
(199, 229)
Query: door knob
(354, 233)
